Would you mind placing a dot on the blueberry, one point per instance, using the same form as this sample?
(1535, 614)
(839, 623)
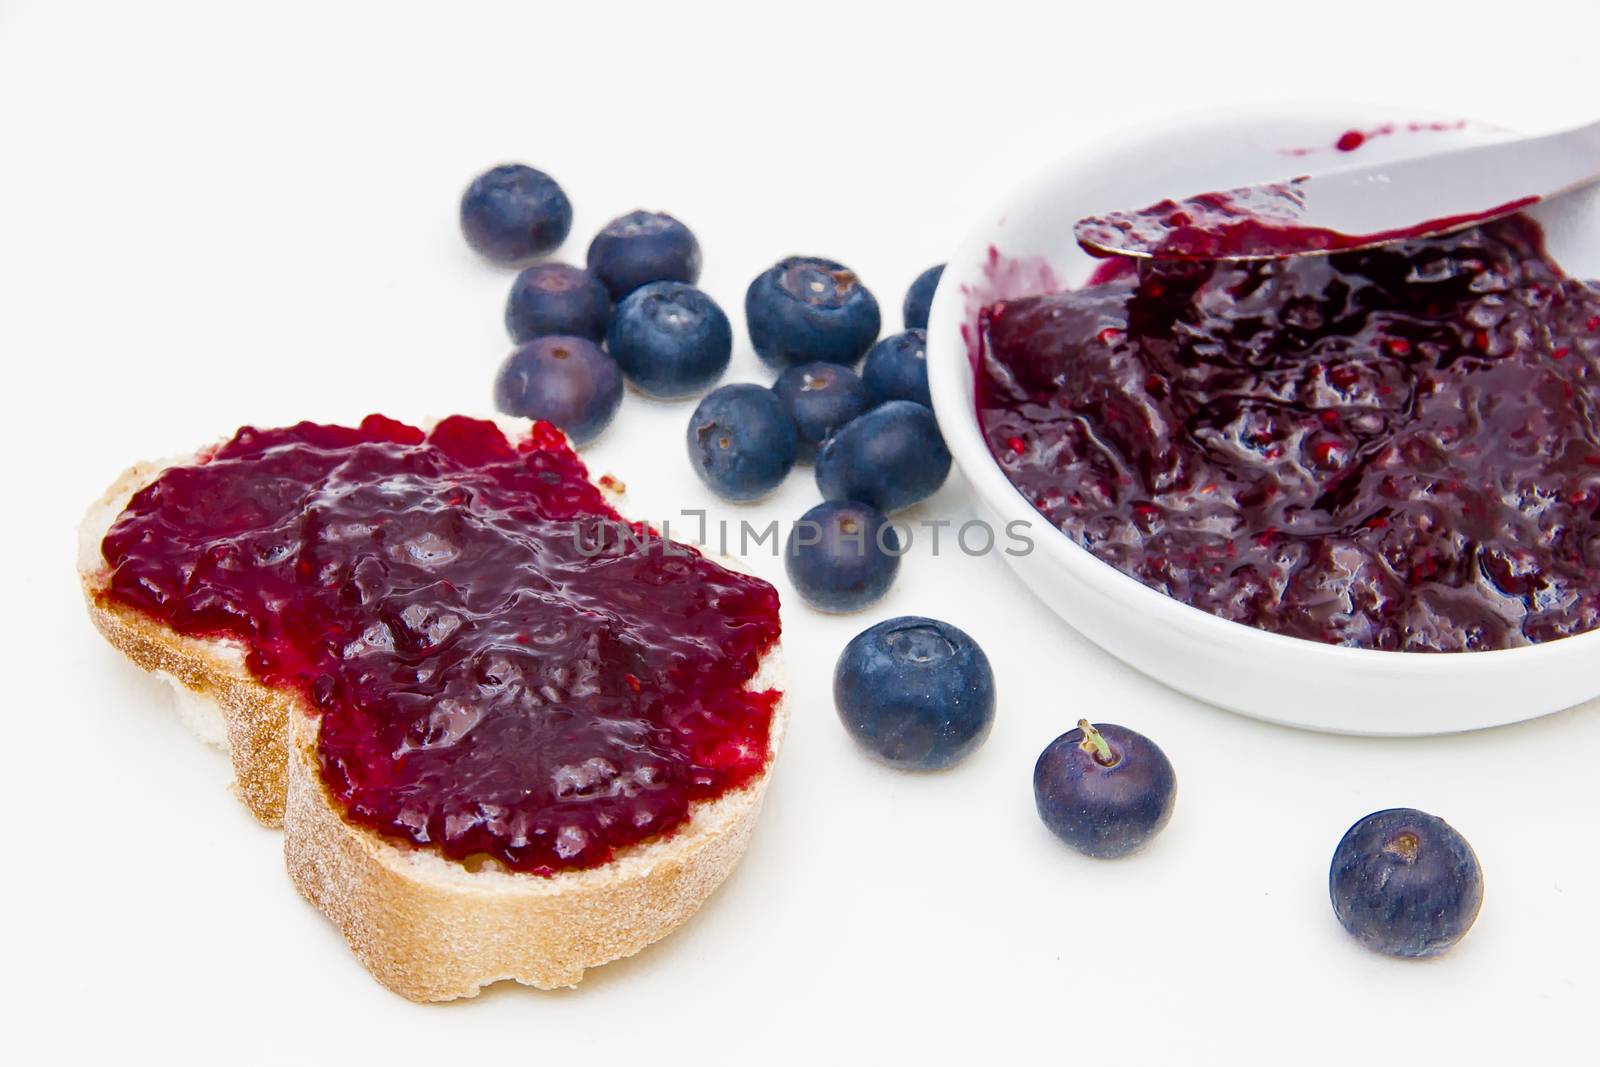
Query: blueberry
(742, 441)
(920, 297)
(897, 369)
(565, 380)
(552, 298)
(806, 309)
(842, 556)
(1105, 790)
(822, 397)
(1405, 883)
(670, 339)
(891, 457)
(916, 693)
(643, 246)
(513, 212)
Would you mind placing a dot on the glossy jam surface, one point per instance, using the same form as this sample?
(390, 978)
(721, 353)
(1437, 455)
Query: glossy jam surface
(501, 665)
(1395, 449)
(1253, 222)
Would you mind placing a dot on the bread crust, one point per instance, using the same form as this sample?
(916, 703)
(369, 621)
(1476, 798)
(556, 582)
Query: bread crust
(425, 926)
(254, 717)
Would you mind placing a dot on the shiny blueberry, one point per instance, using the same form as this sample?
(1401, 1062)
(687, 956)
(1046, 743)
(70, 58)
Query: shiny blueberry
(1405, 883)
(670, 339)
(920, 297)
(552, 298)
(565, 380)
(916, 693)
(897, 369)
(1104, 789)
(513, 212)
(805, 310)
(842, 556)
(822, 397)
(641, 247)
(742, 441)
(891, 457)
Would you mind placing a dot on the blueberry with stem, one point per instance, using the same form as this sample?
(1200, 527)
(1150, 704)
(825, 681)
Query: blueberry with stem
(1104, 789)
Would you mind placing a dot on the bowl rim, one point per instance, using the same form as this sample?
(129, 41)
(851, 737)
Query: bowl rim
(950, 372)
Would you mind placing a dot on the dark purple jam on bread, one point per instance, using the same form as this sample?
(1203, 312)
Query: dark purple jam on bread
(501, 665)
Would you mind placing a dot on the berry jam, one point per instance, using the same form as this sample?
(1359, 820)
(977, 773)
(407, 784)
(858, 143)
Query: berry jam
(501, 665)
(1255, 221)
(1392, 449)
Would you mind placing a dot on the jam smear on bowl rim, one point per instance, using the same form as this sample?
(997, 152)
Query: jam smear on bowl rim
(1396, 448)
(501, 666)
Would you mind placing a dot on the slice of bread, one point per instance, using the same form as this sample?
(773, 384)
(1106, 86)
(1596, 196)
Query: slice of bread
(427, 927)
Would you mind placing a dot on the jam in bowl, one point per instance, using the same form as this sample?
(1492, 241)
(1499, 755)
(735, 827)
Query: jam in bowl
(1355, 493)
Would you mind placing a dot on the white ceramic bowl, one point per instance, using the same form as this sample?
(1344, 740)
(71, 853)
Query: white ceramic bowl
(1267, 675)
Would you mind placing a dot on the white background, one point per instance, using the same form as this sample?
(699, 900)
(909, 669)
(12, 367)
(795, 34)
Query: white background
(210, 216)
